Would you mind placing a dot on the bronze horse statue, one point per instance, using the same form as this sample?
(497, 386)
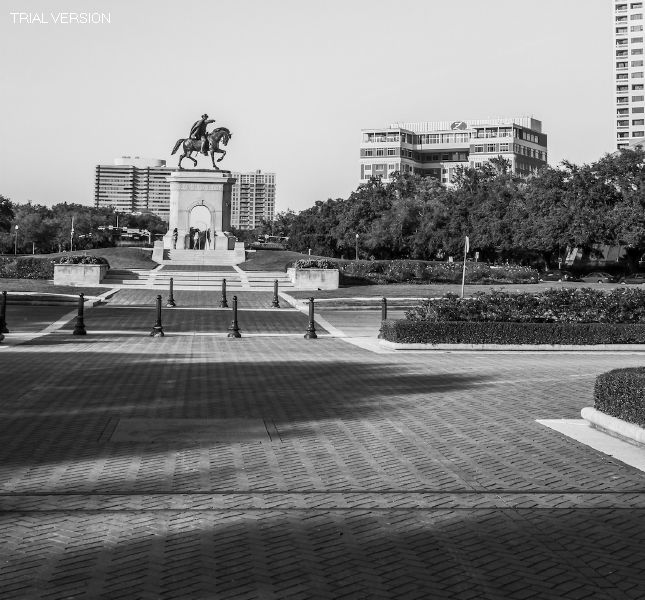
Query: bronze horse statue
(221, 134)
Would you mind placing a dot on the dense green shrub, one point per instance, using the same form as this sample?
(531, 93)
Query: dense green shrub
(564, 305)
(419, 271)
(621, 393)
(472, 332)
(26, 267)
(80, 259)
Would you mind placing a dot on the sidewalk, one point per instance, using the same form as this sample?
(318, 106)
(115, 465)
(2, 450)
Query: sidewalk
(195, 466)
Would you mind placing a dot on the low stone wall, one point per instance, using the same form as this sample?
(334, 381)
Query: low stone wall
(314, 279)
(79, 274)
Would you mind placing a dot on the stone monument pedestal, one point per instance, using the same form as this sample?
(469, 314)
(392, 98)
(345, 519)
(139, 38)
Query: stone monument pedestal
(200, 199)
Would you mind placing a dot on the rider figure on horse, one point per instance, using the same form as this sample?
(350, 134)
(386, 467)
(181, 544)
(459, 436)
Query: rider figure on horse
(198, 132)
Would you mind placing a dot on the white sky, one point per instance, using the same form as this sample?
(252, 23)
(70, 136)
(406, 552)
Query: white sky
(294, 80)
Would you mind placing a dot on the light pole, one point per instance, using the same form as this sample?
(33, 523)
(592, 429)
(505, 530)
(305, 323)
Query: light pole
(357, 246)
(15, 242)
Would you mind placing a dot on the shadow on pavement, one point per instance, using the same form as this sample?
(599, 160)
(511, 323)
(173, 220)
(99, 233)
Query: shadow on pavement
(356, 553)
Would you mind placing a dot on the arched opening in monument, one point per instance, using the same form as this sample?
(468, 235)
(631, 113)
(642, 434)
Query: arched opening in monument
(200, 232)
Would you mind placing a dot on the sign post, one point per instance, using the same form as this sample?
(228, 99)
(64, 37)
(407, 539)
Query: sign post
(463, 274)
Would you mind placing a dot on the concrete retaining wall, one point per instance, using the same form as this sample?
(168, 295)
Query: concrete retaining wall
(79, 274)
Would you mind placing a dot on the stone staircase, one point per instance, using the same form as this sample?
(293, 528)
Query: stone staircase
(127, 277)
(191, 257)
(205, 278)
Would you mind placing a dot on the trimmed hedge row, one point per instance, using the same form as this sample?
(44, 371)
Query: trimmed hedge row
(477, 332)
(82, 259)
(621, 393)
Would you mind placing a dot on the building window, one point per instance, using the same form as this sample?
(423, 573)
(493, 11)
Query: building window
(504, 147)
(380, 152)
(638, 98)
(391, 151)
(638, 134)
(637, 63)
(638, 121)
(621, 30)
(637, 75)
(636, 5)
(623, 123)
(636, 17)
(622, 76)
(636, 28)
(637, 51)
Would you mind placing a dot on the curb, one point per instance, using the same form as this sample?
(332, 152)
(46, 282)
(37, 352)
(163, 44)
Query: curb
(517, 347)
(613, 426)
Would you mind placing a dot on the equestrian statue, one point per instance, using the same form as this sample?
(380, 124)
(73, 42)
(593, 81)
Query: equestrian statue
(199, 140)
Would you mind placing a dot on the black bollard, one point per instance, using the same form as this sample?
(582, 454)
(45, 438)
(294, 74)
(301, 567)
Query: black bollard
(311, 330)
(223, 303)
(171, 298)
(157, 329)
(276, 302)
(79, 328)
(3, 314)
(234, 329)
(383, 316)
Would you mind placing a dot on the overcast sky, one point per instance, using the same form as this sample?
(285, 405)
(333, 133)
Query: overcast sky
(294, 80)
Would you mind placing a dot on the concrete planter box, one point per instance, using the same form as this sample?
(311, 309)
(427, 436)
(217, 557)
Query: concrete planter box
(79, 274)
(314, 279)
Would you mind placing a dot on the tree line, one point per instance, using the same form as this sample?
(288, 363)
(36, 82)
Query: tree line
(48, 229)
(506, 217)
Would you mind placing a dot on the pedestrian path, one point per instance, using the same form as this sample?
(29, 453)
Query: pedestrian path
(197, 466)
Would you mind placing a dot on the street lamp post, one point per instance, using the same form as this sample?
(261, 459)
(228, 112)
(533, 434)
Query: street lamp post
(15, 242)
(357, 246)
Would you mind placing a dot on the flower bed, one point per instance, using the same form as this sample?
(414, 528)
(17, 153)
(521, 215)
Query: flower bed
(621, 393)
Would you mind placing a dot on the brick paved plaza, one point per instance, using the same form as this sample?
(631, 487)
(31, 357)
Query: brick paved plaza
(196, 466)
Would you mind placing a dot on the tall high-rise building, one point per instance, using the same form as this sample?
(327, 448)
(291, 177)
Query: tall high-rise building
(134, 184)
(629, 71)
(253, 199)
(436, 149)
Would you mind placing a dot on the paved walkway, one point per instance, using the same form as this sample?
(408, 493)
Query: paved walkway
(195, 466)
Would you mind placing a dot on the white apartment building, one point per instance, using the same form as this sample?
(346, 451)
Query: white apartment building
(133, 184)
(253, 199)
(629, 71)
(436, 149)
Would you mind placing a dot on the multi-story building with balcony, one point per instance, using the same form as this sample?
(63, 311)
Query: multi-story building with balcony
(133, 184)
(629, 72)
(435, 149)
(253, 199)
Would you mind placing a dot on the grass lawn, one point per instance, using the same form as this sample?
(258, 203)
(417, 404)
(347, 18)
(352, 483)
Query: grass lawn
(271, 260)
(47, 287)
(119, 258)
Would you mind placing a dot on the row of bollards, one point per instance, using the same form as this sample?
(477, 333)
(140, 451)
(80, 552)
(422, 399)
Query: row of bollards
(157, 328)
(223, 303)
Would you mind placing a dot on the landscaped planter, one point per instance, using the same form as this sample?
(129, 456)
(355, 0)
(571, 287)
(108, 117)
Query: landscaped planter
(68, 274)
(314, 279)
(479, 335)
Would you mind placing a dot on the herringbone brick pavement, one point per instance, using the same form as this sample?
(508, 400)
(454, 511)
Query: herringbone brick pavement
(359, 475)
